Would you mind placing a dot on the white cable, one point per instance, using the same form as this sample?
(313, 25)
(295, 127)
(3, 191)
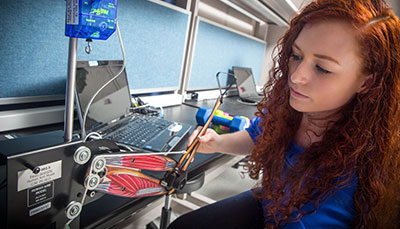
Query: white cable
(91, 135)
(76, 136)
(83, 133)
(125, 146)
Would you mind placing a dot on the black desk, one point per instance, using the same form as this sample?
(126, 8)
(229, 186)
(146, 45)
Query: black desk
(109, 210)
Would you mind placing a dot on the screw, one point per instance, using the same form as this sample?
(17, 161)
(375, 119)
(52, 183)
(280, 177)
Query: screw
(99, 164)
(74, 210)
(84, 155)
(93, 182)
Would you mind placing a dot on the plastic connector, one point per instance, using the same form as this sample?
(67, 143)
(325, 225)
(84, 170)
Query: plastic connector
(174, 180)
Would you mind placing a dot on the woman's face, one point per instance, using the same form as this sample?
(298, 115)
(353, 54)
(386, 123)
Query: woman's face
(324, 67)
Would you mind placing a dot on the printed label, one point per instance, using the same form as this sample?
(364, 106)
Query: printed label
(40, 193)
(48, 172)
(72, 12)
(39, 209)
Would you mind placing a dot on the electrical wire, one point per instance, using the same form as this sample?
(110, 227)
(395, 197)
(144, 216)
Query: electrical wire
(125, 146)
(91, 135)
(83, 131)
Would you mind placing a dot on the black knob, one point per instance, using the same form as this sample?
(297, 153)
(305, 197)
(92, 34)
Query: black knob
(35, 169)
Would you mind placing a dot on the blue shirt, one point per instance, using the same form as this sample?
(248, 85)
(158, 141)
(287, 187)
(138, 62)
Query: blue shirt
(337, 211)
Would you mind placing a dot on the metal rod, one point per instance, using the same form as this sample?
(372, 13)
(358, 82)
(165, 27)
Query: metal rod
(167, 203)
(70, 89)
(166, 213)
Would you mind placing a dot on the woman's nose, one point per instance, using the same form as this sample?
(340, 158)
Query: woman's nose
(301, 74)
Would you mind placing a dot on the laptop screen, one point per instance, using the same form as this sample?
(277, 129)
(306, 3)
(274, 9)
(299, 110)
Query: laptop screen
(112, 102)
(245, 81)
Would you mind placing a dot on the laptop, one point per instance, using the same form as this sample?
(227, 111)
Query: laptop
(245, 85)
(112, 115)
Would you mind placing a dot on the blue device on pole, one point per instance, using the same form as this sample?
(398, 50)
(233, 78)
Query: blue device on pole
(91, 19)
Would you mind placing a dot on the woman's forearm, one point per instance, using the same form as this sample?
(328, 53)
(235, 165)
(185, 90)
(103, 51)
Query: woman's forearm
(237, 143)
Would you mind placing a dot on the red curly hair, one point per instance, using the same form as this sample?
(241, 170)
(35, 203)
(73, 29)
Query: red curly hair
(364, 143)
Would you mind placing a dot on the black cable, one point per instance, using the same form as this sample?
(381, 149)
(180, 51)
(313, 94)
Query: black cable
(229, 86)
(190, 105)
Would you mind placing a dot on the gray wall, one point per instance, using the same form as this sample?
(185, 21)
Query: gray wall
(395, 4)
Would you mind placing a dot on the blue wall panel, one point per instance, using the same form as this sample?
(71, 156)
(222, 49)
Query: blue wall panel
(218, 50)
(34, 49)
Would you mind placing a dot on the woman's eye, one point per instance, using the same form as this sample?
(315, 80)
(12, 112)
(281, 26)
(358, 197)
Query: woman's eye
(295, 57)
(322, 70)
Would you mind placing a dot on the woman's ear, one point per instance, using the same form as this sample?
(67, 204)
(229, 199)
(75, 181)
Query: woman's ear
(365, 84)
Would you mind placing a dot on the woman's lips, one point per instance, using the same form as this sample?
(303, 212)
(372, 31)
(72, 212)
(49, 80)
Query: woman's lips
(297, 94)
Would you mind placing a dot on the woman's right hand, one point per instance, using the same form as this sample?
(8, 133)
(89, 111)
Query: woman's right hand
(209, 142)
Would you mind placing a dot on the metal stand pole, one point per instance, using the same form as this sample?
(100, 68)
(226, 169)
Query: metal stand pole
(166, 212)
(70, 89)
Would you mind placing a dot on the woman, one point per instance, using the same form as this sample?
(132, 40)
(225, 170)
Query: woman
(326, 135)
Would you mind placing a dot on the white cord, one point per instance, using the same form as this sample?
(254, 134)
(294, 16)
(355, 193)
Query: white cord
(91, 135)
(125, 146)
(76, 136)
(83, 133)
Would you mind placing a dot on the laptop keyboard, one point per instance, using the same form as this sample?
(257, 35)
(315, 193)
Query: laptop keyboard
(138, 131)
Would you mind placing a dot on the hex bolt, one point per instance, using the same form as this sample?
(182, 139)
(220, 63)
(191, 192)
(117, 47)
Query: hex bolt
(73, 209)
(82, 155)
(99, 164)
(93, 182)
